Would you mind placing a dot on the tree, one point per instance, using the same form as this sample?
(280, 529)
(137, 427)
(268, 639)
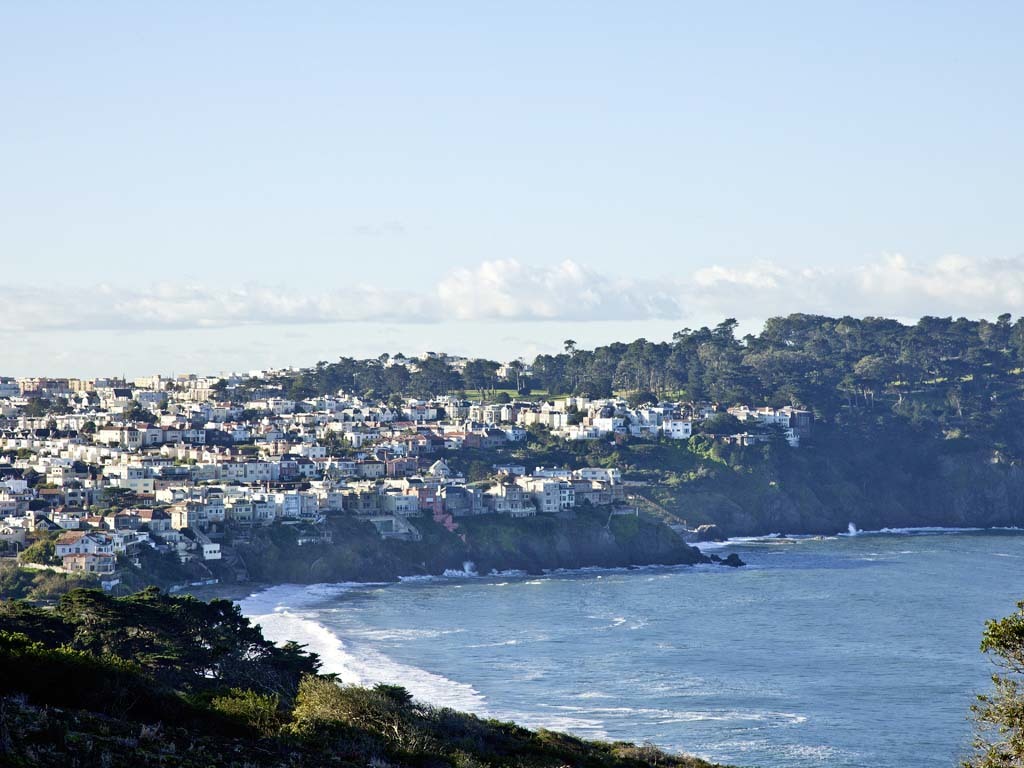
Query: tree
(43, 552)
(37, 406)
(872, 373)
(721, 424)
(396, 379)
(637, 399)
(119, 497)
(434, 376)
(480, 375)
(385, 709)
(515, 375)
(189, 644)
(137, 412)
(999, 715)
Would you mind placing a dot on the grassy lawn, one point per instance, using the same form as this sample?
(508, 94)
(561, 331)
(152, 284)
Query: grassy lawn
(669, 394)
(477, 394)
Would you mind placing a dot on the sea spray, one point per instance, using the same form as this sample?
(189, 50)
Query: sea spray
(468, 571)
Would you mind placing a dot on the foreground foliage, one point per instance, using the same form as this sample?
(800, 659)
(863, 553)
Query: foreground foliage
(156, 680)
(999, 715)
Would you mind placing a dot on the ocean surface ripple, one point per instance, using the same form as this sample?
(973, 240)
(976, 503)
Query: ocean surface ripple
(850, 650)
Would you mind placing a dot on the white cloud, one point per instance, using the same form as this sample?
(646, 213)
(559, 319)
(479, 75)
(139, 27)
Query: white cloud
(956, 281)
(510, 290)
(187, 305)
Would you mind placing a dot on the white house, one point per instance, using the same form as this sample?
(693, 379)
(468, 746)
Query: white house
(677, 429)
(83, 542)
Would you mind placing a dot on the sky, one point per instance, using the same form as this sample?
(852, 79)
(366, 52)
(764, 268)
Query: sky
(210, 187)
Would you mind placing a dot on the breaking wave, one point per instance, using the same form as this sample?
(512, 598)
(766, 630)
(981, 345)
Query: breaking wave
(279, 611)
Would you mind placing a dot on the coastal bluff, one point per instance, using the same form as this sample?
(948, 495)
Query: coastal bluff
(488, 542)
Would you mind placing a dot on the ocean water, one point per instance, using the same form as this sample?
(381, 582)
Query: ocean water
(847, 651)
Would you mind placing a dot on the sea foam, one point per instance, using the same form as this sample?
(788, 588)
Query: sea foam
(284, 613)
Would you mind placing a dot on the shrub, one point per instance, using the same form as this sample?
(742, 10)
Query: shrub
(385, 710)
(254, 710)
(43, 552)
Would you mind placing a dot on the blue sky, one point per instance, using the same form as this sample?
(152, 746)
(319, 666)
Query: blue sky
(267, 183)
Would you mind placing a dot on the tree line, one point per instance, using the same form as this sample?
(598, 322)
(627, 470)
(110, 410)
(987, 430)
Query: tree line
(958, 373)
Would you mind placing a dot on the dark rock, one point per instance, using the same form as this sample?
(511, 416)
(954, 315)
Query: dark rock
(706, 533)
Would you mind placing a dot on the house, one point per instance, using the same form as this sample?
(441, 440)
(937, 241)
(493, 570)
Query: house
(362, 501)
(551, 496)
(440, 470)
(603, 474)
(402, 466)
(677, 429)
(509, 469)
(459, 500)
(507, 498)
(746, 438)
(800, 421)
(555, 473)
(82, 542)
(189, 514)
(370, 468)
(156, 520)
(400, 504)
(307, 468)
(493, 438)
(593, 492)
(53, 497)
(12, 540)
(515, 434)
(99, 563)
(43, 523)
(68, 518)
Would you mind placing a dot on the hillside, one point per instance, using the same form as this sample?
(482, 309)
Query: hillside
(919, 424)
(490, 542)
(156, 680)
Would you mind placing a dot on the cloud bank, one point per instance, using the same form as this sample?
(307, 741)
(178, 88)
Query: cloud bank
(513, 291)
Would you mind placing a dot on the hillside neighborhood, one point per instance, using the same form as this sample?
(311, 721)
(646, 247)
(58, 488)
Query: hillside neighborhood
(104, 470)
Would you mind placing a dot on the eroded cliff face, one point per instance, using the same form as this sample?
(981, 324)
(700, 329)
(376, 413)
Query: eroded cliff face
(536, 544)
(490, 542)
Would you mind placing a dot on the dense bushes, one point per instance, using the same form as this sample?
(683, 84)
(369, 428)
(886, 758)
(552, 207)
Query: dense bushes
(258, 712)
(40, 585)
(43, 551)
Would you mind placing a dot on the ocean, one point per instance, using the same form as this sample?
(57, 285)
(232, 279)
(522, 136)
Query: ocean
(853, 650)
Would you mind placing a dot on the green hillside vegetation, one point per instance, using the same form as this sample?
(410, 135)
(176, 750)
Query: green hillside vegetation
(150, 679)
(40, 585)
(873, 471)
(917, 424)
(999, 714)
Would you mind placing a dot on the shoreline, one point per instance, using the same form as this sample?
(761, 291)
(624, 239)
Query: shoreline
(301, 612)
(287, 612)
(239, 591)
(852, 533)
